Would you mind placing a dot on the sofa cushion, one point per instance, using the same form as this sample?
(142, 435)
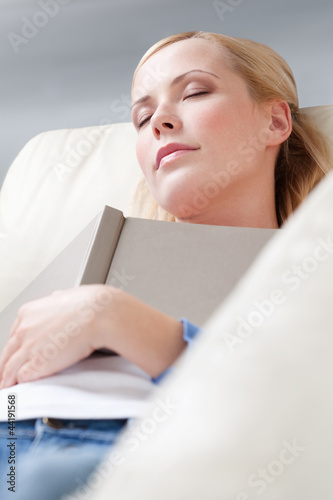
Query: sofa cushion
(56, 185)
(249, 412)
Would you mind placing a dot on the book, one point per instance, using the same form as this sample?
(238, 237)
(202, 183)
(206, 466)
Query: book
(182, 269)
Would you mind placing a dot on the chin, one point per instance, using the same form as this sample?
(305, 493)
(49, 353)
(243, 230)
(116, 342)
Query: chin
(180, 208)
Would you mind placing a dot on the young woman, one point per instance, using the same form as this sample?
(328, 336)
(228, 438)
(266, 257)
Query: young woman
(206, 108)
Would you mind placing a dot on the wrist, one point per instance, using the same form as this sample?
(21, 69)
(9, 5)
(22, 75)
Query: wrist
(104, 306)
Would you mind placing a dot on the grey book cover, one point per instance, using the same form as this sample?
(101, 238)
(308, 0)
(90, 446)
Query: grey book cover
(182, 269)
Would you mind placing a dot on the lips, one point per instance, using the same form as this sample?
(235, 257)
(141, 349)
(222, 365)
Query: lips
(171, 148)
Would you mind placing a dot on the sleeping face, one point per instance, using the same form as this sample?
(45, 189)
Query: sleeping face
(202, 140)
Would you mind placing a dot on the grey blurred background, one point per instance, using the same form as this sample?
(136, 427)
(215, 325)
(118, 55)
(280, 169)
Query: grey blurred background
(69, 63)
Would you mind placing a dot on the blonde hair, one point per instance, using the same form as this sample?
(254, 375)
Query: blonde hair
(303, 159)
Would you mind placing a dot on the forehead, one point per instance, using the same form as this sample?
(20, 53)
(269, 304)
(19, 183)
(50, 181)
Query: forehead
(175, 59)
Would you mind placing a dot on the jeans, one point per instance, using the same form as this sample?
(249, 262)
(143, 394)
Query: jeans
(52, 457)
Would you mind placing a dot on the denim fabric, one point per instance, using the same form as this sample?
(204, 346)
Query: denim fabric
(53, 461)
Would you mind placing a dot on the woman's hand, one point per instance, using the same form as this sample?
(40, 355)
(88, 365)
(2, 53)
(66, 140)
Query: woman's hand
(55, 332)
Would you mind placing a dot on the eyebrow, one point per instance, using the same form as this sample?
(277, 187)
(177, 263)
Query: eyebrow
(174, 82)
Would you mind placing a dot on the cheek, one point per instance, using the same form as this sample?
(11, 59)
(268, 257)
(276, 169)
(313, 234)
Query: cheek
(228, 126)
(218, 130)
(210, 119)
(141, 154)
(216, 122)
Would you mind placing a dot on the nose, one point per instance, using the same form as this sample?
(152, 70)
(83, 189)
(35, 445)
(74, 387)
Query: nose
(163, 121)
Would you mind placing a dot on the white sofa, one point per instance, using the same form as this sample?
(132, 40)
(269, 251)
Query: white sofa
(250, 411)
(248, 414)
(59, 181)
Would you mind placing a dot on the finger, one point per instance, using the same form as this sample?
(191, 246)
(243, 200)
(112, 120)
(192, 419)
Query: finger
(11, 345)
(15, 325)
(9, 350)
(30, 371)
(12, 367)
(40, 366)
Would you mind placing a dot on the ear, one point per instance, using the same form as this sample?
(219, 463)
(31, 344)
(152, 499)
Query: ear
(280, 122)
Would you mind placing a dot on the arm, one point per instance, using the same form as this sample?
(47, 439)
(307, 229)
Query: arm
(142, 334)
(190, 332)
(55, 332)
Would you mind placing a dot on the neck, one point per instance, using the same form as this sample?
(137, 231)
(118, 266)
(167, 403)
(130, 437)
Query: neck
(248, 206)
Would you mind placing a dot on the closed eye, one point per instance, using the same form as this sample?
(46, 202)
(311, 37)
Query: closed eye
(195, 94)
(145, 120)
